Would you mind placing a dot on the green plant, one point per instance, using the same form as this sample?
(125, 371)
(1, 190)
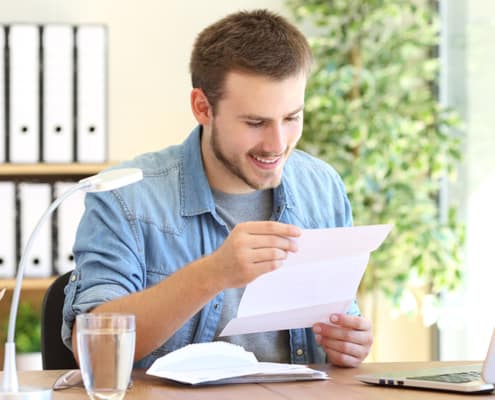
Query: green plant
(28, 329)
(372, 113)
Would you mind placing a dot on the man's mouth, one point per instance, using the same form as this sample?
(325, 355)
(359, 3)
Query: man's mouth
(266, 160)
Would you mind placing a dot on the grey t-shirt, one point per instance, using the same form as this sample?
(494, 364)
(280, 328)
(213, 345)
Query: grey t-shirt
(233, 209)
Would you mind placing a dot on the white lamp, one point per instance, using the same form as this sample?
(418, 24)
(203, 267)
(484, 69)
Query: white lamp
(97, 183)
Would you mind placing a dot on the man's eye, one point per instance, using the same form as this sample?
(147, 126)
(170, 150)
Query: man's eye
(295, 118)
(254, 124)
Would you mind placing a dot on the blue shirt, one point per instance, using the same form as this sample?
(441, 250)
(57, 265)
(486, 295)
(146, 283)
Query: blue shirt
(134, 237)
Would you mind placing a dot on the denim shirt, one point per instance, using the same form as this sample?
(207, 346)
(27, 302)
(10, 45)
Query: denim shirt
(136, 236)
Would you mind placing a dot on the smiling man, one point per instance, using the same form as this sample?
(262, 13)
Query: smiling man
(219, 210)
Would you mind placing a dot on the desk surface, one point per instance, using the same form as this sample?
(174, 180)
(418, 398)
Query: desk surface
(342, 385)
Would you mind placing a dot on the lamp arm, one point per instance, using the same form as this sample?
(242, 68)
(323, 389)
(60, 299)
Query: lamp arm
(10, 373)
(25, 254)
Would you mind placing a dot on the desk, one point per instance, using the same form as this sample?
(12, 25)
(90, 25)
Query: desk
(341, 386)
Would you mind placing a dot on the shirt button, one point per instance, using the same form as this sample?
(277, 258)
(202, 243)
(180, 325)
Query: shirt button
(299, 352)
(73, 278)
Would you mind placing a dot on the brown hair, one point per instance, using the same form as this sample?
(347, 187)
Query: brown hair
(258, 42)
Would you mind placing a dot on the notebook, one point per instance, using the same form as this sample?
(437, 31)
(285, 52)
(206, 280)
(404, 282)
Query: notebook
(472, 378)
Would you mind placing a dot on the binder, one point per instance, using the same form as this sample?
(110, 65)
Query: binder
(57, 97)
(91, 85)
(7, 230)
(3, 132)
(34, 199)
(69, 214)
(24, 76)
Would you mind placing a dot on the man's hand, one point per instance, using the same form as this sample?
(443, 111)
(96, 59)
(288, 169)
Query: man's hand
(347, 342)
(252, 249)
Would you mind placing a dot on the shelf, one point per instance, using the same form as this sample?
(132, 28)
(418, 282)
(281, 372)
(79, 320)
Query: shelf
(42, 169)
(28, 283)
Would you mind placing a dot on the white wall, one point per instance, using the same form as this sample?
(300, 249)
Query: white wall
(149, 46)
(468, 320)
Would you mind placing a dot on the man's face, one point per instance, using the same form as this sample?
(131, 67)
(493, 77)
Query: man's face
(257, 124)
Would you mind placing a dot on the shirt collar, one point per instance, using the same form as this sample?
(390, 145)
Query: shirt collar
(282, 195)
(196, 196)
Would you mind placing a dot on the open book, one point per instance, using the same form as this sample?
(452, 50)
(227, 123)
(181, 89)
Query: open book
(221, 363)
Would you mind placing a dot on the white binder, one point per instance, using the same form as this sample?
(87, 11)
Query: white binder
(91, 71)
(57, 82)
(7, 230)
(35, 198)
(3, 133)
(24, 93)
(68, 216)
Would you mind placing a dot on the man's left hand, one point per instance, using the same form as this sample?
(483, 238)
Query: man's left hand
(347, 342)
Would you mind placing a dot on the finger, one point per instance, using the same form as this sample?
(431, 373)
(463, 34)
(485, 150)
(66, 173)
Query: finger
(356, 350)
(342, 359)
(355, 322)
(266, 255)
(270, 228)
(329, 332)
(265, 266)
(272, 241)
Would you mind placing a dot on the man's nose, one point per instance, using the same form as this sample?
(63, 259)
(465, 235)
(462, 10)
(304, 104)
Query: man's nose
(275, 139)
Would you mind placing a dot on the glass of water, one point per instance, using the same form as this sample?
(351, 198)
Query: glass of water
(105, 345)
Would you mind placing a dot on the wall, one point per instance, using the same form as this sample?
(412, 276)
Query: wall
(149, 47)
(468, 320)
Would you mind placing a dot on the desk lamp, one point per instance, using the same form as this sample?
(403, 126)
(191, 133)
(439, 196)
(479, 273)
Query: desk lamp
(104, 181)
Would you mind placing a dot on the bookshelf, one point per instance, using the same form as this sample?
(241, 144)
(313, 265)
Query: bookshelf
(33, 289)
(47, 173)
(53, 171)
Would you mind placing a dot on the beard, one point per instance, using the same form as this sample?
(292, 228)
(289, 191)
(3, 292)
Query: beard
(266, 180)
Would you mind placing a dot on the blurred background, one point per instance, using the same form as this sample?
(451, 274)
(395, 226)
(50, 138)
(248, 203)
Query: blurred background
(400, 104)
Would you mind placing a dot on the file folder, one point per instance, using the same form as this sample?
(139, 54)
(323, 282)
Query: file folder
(91, 85)
(7, 230)
(24, 77)
(69, 214)
(3, 126)
(34, 199)
(57, 84)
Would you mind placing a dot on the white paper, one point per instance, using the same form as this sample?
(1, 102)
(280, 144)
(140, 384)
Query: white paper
(91, 42)
(222, 362)
(321, 278)
(68, 216)
(35, 198)
(7, 230)
(58, 91)
(24, 64)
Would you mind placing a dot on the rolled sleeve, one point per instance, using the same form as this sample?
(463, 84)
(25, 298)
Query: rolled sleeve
(83, 302)
(108, 264)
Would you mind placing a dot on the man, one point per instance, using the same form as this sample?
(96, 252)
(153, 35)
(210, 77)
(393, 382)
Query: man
(214, 213)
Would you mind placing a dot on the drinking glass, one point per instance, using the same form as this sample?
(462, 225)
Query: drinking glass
(105, 345)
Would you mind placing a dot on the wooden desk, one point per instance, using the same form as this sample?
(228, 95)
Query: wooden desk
(341, 386)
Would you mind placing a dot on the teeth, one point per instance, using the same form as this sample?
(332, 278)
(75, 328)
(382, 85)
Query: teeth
(264, 160)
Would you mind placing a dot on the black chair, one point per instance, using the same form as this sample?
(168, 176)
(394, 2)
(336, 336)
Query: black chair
(53, 351)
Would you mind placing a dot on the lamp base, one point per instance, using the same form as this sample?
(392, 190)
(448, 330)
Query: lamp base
(27, 393)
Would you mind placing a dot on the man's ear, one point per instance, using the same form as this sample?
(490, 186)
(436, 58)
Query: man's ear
(200, 107)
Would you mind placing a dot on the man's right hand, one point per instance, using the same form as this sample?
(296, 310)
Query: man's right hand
(252, 249)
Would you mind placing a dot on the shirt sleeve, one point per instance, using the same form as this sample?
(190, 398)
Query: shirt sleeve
(108, 258)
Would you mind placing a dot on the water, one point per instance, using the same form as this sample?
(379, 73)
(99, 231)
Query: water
(106, 358)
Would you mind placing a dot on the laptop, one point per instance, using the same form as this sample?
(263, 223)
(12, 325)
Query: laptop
(472, 378)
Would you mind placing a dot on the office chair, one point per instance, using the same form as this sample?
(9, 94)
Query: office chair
(53, 351)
